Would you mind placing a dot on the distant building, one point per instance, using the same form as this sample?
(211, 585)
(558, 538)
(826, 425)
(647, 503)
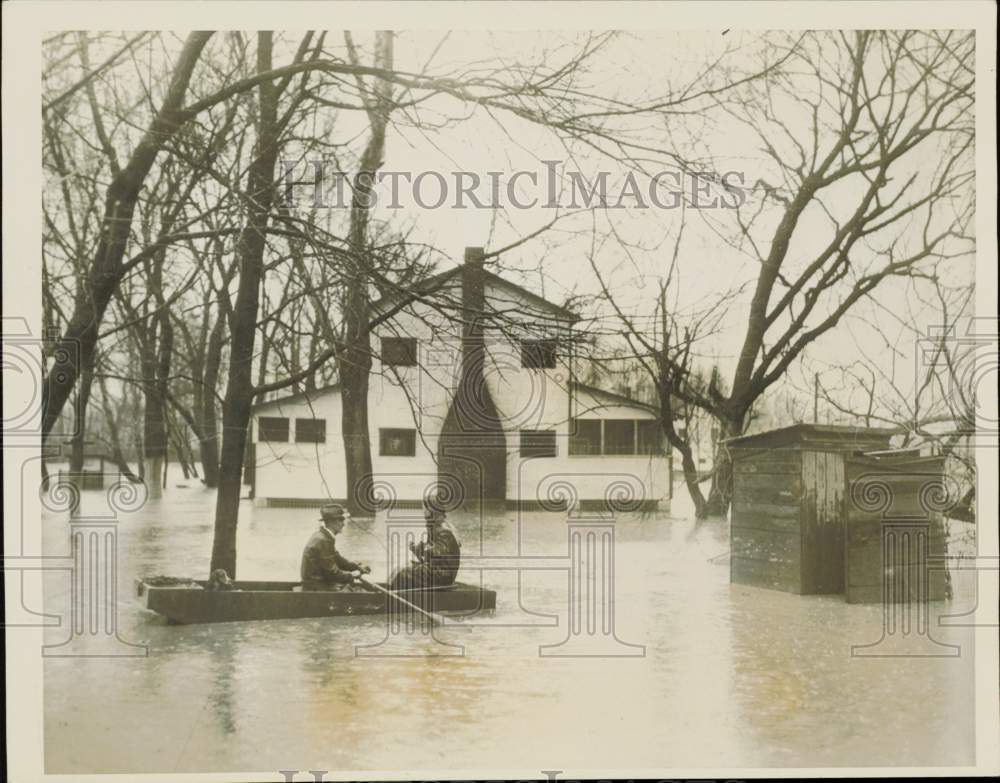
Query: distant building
(476, 404)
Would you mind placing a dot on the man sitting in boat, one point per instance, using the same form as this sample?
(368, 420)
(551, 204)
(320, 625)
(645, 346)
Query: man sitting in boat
(323, 567)
(438, 557)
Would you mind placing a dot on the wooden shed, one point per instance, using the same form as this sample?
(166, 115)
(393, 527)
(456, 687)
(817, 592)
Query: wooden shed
(788, 529)
(896, 543)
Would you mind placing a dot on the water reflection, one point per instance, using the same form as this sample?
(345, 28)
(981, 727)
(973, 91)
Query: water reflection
(221, 696)
(732, 676)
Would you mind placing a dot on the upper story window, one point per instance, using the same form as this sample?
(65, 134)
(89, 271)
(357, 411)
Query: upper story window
(399, 351)
(397, 442)
(538, 354)
(310, 430)
(272, 429)
(538, 443)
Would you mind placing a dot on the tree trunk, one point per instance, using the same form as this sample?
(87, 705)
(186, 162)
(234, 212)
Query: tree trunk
(154, 415)
(134, 394)
(208, 443)
(180, 445)
(721, 493)
(665, 393)
(157, 358)
(691, 479)
(208, 449)
(355, 366)
(80, 338)
(192, 466)
(239, 388)
(116, 445)
(356, 360)
(78, 442)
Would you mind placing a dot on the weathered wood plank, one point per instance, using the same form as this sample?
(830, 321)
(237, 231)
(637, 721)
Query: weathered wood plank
(868, 568)
(808, 521)
(830, 531)
(809, 474)
(868, 555)
(778, 461)
(788, 523)
(780, 510)
(758, 573)
(775, 494)
(766, 455)
(819, 477)
(774, 546)
(835, 490)
(824, 553)
(859, 443)
(869, 532)
(756, 481)
(822, 526)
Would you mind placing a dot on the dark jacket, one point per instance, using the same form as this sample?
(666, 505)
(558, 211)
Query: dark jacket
(322, 564)
(442, 553)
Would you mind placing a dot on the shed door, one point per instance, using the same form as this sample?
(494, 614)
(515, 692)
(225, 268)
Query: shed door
(822, 522)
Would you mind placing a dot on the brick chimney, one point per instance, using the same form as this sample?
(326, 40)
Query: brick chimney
(472, 449)
(473, 299)
(472, 396)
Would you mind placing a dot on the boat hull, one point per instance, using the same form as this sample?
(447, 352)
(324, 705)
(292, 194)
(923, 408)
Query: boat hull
(188, 601)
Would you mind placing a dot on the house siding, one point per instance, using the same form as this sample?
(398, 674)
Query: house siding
(419, 397)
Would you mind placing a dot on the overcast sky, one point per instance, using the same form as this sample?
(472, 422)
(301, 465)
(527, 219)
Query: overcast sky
(634, 68)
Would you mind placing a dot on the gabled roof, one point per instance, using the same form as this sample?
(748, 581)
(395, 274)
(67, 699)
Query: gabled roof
(296, 396)
(437, 281)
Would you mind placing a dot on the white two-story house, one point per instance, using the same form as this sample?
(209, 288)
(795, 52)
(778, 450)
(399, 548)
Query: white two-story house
(472, 398)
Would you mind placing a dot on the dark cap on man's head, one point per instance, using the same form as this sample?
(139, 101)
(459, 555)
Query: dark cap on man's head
(433, 514)
(331, 512)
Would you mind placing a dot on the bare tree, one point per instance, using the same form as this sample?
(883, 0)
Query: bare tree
(243, 324)
(356, 362)
(871, 134)
(917, 373)
(665, 344)
(105, 269)
(201, 176)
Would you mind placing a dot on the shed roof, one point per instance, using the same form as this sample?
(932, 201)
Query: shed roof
(822, 437)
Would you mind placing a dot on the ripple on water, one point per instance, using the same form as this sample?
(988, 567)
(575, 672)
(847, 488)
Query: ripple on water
(740, 676)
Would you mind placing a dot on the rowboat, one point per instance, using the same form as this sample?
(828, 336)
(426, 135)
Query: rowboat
(184, 601)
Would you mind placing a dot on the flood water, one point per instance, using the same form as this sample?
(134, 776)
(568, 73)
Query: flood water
(732, 676)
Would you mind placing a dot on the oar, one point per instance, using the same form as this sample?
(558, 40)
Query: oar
(436, 619)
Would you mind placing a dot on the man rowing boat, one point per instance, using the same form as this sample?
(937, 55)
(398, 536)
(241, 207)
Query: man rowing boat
(323, 567)
(438, 557)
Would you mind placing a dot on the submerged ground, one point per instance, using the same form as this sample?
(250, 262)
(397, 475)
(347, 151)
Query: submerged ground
(732, 676)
